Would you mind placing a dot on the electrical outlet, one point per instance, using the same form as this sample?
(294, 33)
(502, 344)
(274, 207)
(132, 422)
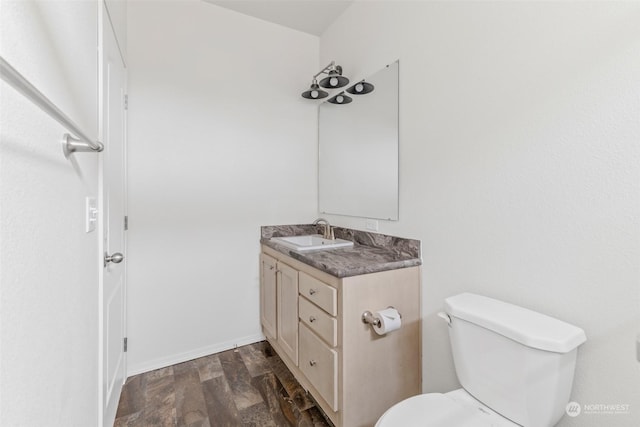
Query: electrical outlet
(91, 212)
(371, 224)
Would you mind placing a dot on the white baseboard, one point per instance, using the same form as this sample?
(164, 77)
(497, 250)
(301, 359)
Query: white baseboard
(192, 354)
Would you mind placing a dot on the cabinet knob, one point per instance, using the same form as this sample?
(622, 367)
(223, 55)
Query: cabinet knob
(312, 319)
(312, 362)
(312, 291)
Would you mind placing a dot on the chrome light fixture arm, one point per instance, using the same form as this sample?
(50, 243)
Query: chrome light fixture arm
(331, 67)
(333, 80)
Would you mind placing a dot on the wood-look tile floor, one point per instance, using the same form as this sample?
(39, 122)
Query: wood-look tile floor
(247, 386)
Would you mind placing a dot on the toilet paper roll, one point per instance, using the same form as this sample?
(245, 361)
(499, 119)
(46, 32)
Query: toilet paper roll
(389, 321)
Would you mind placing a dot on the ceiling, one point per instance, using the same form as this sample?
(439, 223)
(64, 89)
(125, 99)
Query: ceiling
(309, 16)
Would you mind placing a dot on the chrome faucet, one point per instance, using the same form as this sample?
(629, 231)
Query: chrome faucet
(328, 230)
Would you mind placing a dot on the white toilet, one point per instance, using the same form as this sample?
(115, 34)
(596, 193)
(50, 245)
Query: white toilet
(515, 365)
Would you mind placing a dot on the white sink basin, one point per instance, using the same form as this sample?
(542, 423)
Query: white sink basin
(311, 242)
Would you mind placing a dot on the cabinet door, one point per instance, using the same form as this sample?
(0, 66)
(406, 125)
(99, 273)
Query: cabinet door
(320, 365)
(268, 268)
(288, 310)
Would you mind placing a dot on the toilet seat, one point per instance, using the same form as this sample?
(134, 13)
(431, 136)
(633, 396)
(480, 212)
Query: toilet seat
(455, 409)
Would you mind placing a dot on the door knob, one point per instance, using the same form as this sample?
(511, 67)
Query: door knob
(116, 258)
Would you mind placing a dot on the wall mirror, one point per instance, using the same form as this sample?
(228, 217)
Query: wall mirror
(358, 151)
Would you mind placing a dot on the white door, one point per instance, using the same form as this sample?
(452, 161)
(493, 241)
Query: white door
(113, 80)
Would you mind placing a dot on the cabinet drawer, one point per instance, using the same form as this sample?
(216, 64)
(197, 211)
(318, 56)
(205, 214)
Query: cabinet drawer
(318, 321)
(320, 365)
(319, 293)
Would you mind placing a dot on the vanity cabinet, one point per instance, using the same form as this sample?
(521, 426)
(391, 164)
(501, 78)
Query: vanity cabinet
(268, 296)
(353, 373)
(319, 364)
(279, 304)
(287, 280)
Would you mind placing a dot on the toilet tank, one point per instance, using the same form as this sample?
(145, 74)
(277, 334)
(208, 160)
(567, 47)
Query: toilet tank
(518, 362)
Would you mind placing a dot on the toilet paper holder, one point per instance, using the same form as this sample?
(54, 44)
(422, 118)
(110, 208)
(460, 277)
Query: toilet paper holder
(370, 319)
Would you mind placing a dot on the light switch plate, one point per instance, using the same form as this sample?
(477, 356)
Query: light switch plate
(91, 214)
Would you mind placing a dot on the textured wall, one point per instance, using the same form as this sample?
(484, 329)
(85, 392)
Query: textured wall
(519, 167)
(220, 143)
(48, 264)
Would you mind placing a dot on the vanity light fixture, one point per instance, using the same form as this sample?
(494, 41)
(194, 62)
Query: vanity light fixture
(340, 98)
(314, 91)
(361, 88)
(334, 80)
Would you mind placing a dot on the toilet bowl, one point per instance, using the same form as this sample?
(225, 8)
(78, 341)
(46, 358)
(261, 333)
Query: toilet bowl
(454, 409)
(515, 365)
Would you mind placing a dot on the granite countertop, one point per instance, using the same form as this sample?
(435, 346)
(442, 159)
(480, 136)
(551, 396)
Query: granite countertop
(371, 252)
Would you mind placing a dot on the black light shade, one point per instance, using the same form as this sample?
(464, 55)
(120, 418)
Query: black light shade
(340, 98)
(314, 92)
(334, 80)
(361, 88)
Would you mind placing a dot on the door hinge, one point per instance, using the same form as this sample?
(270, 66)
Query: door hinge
(126, 102)
(125, 345)
(126, 222)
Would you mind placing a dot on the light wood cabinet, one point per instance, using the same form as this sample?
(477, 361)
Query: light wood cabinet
(323, 295)
(287, 280)
(319, 363)
(279, 304)
(324, 325)
(268, 295)
(354, 374)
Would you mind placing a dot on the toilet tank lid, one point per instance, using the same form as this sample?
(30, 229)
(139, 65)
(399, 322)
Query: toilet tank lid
(525, 326)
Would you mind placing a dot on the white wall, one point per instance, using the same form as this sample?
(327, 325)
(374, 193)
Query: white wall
(519, 167)
(48, 264)
(220, 142)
